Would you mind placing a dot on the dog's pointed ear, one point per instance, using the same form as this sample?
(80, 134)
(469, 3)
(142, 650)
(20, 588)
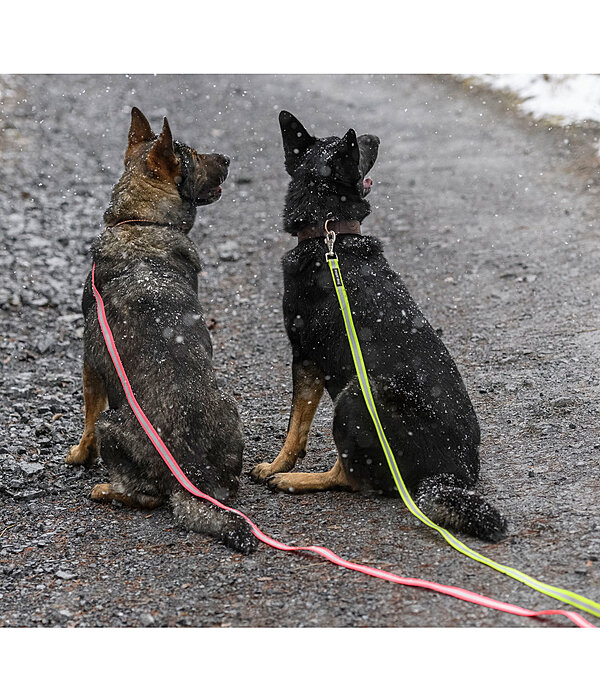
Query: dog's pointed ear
(162, 160)
(139, 131)
(296, 140)
(347, 157)
(348, 146)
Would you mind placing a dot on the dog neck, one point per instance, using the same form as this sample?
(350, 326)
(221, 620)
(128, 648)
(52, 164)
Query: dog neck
(338, 227)
(141, 222)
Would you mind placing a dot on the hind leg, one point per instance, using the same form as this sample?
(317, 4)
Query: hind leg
(116, 492)
(307, 392)
(131, 483)
(335, 478)
(95, 400)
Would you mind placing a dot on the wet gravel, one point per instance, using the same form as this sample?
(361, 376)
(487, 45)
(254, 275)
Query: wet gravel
(493, 224)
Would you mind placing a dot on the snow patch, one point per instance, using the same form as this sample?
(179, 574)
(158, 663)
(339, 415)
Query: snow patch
(562, 98)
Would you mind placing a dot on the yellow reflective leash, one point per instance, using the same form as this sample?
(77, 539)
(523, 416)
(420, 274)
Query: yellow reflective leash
(562, 594)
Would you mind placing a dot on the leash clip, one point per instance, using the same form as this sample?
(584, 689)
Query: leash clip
(330, 240)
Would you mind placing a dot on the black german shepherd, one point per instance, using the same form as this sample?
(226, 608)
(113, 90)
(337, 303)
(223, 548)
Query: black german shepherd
(147, 272)
(421, 399)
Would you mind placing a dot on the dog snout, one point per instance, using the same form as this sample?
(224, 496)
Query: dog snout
(225, 160)
(371, 140)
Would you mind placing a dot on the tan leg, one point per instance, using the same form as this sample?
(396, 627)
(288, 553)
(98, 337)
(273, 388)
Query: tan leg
(307, 392)
(95, 400)
(113, 492)
(300, 482)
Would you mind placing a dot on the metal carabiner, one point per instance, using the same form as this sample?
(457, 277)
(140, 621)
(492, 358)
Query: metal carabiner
(330, 240)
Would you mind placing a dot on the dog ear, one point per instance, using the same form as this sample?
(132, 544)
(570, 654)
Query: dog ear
(347, 158)
(162, 160)
(296, 140)
(139, 131)
(368, 146)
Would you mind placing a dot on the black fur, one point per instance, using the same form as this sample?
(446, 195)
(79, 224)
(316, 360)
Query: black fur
(422, 401)
(327, 175)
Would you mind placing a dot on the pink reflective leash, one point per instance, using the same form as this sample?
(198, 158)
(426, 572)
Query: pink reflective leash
(178, 473)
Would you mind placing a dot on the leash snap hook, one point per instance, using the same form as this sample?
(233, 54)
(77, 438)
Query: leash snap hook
(330, 240)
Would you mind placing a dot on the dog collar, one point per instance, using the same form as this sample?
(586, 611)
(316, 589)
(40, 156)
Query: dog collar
(337, 227)
(141, 222)
(146, 222)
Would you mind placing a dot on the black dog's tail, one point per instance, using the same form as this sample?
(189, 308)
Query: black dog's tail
(445, 501)
(199, 515)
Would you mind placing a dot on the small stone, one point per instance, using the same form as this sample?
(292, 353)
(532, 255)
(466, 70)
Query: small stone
(31, 468)
(561, 402)
(31, 495)
(228, 251)
(45, 343)
(146, 619)
(65, 575)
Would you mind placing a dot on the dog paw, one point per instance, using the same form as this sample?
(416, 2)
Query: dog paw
(102, 492)
(262, 471)
(80, 455)
(280, 482)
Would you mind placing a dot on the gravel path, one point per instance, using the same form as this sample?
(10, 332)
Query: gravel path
(493, 227)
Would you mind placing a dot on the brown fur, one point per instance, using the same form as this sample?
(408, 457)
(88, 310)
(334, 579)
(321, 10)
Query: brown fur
(149, 187)
(147, 273)
(308, 383)
(95, 401)
(113, 492)
(303, 482)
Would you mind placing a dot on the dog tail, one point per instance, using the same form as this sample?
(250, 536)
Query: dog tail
(445, 501)
(196, 514)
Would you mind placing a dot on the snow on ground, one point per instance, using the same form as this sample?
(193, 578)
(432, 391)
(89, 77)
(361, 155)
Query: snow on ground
(563, 98)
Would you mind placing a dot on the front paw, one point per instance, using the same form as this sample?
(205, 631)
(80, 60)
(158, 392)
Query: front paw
(263, 471)
(81, 455)
(281, 482)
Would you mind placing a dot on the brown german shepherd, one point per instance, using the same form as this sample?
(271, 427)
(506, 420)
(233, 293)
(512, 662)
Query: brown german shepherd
(147, 273)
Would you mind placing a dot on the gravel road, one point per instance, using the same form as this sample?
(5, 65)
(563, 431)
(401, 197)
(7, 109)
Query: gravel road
(492, 222)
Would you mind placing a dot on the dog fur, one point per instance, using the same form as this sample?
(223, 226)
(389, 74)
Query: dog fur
(147, 273)
(421, 399)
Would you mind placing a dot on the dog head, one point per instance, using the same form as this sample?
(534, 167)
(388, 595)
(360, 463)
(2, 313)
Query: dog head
(329, 175)
(164, 180)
